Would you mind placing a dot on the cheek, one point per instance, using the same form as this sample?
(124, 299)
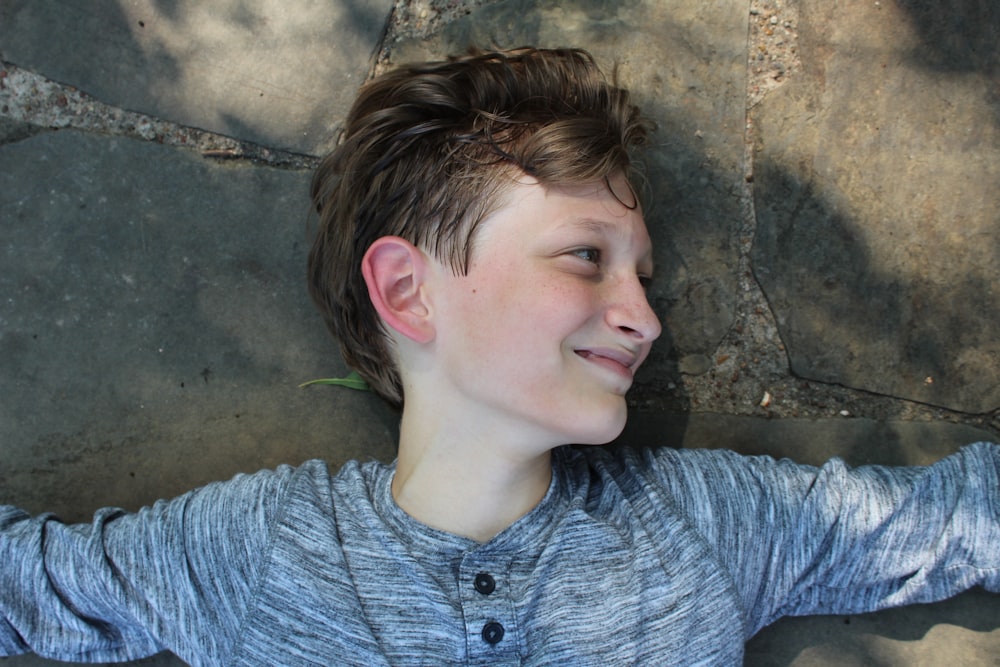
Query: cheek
(547, 313)
(512, 312)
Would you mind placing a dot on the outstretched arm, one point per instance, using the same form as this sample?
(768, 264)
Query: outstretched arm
(800, 540)
(177, 575)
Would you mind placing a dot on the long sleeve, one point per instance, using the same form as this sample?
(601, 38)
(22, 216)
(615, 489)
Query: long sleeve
(799, 540)
(178, 575)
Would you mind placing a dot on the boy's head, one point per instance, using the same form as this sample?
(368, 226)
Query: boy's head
(427, 152)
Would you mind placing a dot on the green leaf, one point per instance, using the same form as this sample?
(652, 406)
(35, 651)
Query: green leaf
(351, 381)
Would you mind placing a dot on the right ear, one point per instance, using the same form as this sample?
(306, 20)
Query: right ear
(394, 271)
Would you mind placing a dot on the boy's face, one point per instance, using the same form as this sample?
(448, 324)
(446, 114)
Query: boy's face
(548, 326)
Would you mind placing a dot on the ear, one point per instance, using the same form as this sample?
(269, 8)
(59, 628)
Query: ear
(394, 270)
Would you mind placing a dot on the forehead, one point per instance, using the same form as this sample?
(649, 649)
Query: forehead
(614, 192)
(606, 207)
(605, 211)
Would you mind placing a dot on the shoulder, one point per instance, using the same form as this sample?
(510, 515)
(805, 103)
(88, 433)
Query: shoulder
(254, 503)
(313, 499)
(314, 476)
(313, 482)
(702, 484)
(626, 461)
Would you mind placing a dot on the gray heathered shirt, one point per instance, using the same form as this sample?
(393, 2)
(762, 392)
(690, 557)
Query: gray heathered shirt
(651, 557)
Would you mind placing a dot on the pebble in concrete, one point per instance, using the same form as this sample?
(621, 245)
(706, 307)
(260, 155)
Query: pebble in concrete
(876, 193)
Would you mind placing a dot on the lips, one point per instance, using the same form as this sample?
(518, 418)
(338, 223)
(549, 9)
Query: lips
(617, 360)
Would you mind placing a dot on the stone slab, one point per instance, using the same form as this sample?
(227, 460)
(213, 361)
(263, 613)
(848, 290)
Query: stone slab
(962, 631)
(280, 73)
(876, 193)
(155, 326)
(685, 63)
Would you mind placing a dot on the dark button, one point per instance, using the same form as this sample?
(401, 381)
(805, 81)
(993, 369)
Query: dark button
(485, 584)
(492, 632)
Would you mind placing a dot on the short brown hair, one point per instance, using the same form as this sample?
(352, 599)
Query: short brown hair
(425, 154)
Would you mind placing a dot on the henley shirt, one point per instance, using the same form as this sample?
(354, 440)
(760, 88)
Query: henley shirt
(632, 557)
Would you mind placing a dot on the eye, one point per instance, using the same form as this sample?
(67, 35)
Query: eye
(592, 255)
(646, 282)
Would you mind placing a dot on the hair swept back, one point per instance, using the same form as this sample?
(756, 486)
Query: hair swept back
(425, 154)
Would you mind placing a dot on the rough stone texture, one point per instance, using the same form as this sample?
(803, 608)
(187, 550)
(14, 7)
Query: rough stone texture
(687, 69)
(876, 179)
(960, 631)
(154, 327)
(277, 72)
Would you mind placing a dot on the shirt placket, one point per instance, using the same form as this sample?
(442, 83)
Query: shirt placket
(490, 622)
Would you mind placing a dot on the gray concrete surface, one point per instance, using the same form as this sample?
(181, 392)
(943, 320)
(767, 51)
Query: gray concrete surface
(887, 149)
(153, 313)
(823, 205)
(277, 73)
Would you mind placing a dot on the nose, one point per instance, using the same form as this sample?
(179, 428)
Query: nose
(629, 311)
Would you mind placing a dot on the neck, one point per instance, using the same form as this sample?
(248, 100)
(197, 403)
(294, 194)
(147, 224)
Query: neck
(467, 483)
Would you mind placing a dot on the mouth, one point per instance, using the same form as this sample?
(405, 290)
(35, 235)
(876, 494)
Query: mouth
(620, 362)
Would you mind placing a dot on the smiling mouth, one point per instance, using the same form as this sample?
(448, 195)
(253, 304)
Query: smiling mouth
(619, 362)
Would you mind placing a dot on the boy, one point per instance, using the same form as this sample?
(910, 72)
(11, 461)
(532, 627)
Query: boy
(482, 258)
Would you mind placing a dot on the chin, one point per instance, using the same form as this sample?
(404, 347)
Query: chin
(601, 432)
